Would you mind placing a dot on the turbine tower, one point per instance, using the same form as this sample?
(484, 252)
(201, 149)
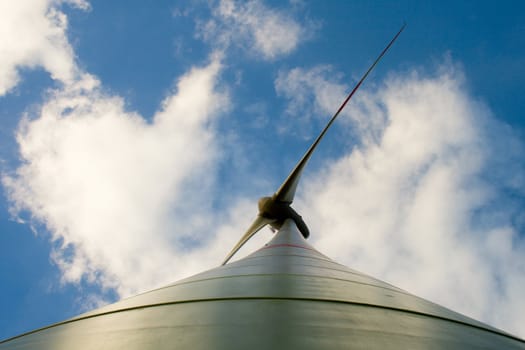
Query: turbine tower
(286, 295)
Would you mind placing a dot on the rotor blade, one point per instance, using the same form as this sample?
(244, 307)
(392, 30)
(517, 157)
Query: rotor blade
(286, 192)
(257, 224)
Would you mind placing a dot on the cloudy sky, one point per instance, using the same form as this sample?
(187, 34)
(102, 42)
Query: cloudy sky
(136, 139)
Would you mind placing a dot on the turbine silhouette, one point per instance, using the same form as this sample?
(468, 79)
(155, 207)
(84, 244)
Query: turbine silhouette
(276, 209)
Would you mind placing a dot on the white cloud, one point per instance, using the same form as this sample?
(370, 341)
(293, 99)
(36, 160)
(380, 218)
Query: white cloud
(421, 203)
(128, 204)
(312, 94)
(315, 94)
(310, 91)
(33, 34)
(125, 200)
(265, 32)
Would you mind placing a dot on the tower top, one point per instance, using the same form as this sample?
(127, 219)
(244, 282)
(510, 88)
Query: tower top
(286, 295)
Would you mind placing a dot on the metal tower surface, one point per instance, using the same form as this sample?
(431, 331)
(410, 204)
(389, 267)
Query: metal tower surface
(286, 295)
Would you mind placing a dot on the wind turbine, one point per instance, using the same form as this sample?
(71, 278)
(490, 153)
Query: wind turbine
(286, 295)
(276, 209)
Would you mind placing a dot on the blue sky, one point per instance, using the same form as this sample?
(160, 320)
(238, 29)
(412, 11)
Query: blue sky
(136, 139)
